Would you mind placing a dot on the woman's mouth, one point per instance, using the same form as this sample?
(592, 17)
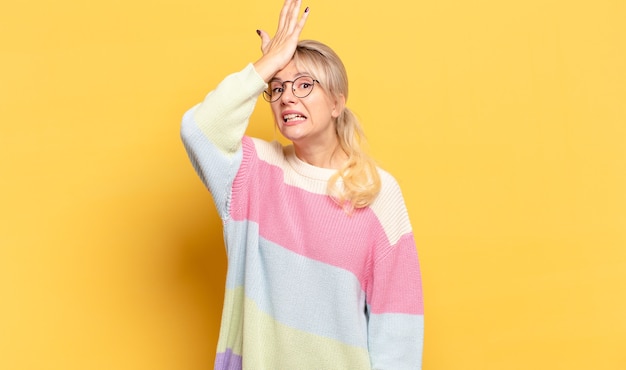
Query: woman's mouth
(292, 117)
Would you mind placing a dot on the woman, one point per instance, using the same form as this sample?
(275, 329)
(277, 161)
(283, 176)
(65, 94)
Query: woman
(322, 266)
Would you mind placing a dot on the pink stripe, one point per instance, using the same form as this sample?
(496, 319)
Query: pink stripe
(397, 285)
(344, 241)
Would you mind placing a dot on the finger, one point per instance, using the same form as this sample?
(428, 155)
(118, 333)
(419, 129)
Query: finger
(284, 14)
(265, 40)
(295, 14)
(298, 24)
(289, 19)
(303, 19)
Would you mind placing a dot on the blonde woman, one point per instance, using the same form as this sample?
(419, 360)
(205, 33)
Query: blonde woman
(322, 266)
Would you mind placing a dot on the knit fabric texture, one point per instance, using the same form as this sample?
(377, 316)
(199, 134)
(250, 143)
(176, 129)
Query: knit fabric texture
(308, 285)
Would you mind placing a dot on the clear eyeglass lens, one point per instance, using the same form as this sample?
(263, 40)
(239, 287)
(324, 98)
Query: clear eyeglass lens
(301, 88)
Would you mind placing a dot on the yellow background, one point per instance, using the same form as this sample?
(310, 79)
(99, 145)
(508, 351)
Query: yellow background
(504, 122)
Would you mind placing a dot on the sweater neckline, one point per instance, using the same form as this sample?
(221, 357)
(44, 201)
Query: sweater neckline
(306, 169)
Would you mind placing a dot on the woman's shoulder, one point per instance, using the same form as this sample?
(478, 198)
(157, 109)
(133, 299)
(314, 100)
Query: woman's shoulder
(390, 208)
(271, 152)
(389, 183)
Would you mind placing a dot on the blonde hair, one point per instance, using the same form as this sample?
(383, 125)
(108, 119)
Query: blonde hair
(357, 183)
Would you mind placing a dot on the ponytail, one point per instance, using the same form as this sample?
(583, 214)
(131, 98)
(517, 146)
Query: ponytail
(357, 183)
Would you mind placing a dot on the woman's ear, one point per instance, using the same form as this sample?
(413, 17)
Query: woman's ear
(339, 105)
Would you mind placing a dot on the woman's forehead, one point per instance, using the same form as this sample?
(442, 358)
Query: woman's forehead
(290, 72)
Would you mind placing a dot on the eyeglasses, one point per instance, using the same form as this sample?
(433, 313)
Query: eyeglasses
(301, 88)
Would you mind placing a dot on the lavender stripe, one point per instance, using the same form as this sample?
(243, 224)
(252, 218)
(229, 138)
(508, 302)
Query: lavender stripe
(227, 361)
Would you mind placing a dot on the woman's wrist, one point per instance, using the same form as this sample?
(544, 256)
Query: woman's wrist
(266, 68)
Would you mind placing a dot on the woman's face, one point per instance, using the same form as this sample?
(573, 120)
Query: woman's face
(309, 120)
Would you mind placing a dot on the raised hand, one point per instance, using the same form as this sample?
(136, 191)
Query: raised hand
(278, 51)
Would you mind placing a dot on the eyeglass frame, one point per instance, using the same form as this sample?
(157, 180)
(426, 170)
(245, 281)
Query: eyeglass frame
(267, 96)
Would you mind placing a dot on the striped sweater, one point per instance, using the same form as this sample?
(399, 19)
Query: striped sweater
(308, 286)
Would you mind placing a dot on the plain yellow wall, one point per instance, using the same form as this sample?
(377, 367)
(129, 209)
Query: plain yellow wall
(504, 122)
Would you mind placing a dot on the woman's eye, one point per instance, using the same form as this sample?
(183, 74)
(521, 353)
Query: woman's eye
(277, 90)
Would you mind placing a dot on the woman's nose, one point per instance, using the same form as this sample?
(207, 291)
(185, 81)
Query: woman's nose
(288, 96)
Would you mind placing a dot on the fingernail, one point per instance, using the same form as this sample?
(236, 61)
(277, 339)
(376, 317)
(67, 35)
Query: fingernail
(258, 32)
(306, 10)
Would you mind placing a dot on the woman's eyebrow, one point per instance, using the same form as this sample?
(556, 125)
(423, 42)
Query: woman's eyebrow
(273, 79)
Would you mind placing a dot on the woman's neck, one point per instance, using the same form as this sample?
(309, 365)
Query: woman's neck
(324, 156)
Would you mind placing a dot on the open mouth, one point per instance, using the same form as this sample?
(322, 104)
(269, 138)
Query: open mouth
(293, 117)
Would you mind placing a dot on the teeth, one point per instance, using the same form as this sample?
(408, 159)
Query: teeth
(291, 117)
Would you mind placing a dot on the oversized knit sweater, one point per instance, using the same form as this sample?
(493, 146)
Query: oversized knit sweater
(308, 286)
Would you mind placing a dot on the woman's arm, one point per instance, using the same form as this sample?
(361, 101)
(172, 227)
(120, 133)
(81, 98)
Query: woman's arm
(212, 132)
(394, 293)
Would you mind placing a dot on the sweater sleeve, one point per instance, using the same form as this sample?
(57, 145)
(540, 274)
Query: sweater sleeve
(212, 132)
(396, 334)
(395, 302)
